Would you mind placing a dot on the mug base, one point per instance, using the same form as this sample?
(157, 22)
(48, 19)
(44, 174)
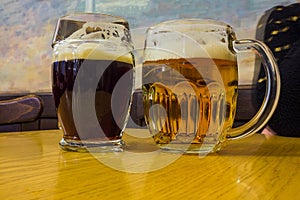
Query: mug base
(88, 146)
(201, 149)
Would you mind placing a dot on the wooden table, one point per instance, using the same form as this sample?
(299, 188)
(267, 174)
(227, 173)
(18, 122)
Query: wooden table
(32, 166)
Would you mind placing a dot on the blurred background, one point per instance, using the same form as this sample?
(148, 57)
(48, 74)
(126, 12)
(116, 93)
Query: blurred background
(27, 26)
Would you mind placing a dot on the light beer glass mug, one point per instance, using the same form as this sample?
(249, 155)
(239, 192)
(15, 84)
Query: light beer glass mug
(190, 85)
(92, 80)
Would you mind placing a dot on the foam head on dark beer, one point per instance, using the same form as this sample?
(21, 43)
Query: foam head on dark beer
(96, 41)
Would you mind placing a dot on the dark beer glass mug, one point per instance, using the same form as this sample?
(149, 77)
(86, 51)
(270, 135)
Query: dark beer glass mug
(190, 84)
(92, 80)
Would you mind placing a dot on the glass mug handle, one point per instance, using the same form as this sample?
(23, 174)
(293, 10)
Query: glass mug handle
(272, 88)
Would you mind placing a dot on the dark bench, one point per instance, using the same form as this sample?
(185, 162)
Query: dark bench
(48, 118)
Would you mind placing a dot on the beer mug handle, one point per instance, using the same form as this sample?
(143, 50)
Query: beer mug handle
(270, 101)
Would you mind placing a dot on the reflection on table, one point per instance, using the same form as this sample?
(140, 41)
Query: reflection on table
(32, 166)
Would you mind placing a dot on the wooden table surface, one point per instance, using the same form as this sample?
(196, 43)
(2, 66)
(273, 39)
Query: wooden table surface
(32, 166)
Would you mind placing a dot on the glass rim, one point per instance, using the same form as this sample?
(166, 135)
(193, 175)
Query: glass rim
(194, 22)
(77, 15)
(79, 18)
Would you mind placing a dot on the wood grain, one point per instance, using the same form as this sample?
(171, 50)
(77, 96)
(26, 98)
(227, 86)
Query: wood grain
(32, 166)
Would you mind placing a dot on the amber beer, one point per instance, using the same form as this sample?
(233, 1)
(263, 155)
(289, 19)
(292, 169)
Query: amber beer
(190, 82)
(189, 104)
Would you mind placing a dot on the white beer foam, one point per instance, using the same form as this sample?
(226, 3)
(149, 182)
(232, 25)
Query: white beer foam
(105, 31)
(96, 41)
(92, 51)
(189, 40)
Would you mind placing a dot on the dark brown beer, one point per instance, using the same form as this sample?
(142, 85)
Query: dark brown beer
(64, 73)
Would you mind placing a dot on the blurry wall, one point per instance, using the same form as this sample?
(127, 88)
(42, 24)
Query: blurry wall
(26, 29)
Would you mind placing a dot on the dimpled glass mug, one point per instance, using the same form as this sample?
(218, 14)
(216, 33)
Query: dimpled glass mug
(92, 68)
(190, 83)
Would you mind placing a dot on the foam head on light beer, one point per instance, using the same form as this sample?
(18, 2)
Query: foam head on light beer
(190, 70)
